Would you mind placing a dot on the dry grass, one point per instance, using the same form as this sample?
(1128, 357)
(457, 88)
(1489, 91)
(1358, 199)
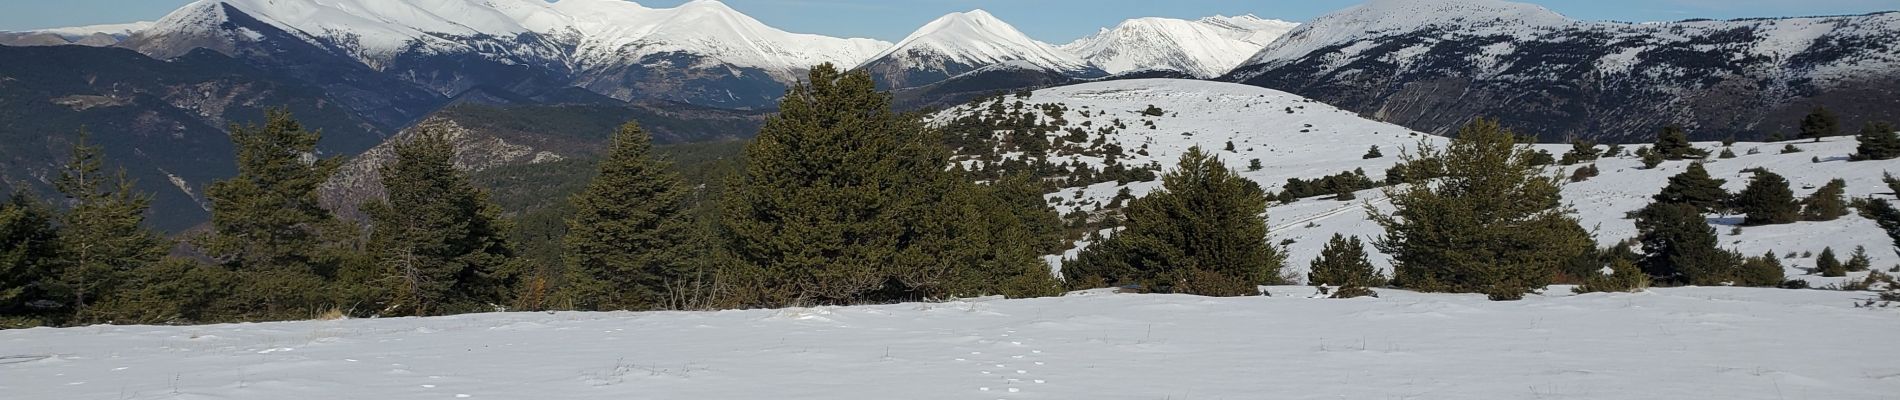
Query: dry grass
(331, 314)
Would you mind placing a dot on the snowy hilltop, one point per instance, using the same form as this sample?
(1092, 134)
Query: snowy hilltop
(1271, 136)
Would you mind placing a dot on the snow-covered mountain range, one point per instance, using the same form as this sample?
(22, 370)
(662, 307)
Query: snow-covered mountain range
(1434, 64)
(701, 52)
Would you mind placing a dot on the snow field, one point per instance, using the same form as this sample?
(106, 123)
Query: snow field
(1730, 343)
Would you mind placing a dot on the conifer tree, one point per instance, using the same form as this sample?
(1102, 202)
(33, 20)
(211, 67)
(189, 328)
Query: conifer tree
(838, 197)
(1373, 153)
(1764, 271)
(1651, 160)
(1767, 200)
(1493, 223)
(268, 216)
(1680, 247)
(1673, 144)
(1859, 261)
(989, 240)
(1203, 233)
(268, 224)
(29, 264)
(1827, 203)
(441, 245)
(1829, 266)
(1581, 151)
(1343, 263)
(103, 234)
(1878, 141)
(1696, 188)
(1819, 124)
(1624, 276)
(629, 239)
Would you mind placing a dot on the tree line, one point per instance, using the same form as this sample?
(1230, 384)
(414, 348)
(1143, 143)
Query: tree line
(840, 200)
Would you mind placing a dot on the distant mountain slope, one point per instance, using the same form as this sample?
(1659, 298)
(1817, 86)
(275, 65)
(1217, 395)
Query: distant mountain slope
(1434, 64)
(162, 121)
(490, 137)
(962, 42)
(1206, 48)
(91, 35)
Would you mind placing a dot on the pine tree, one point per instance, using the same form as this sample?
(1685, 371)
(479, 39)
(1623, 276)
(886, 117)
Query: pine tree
(1726, 154)
(1764, 271)
(1696, 188)
(103, 234)
(1581, 151)
(268, 216)
(1202, 233)
(1373, 153)
(989, 240)
(1819, 124)
(440, 243)
(629, 239)
(1767, 201)
(841, 201)
(1827, 203)
(1493, 223)
(1878, 141)
(1673, 144)
(1829, 266)
(1254, 165)
(1624, 276)
(1859, 261)
(1884, 214)
(1343, 263)
(29, 265)
(1652, 159)
(1680, 247)
(268, 224)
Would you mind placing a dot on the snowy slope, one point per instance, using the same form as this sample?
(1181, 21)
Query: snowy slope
(1204, 48)
(1316, 140)
(1377, 18)
(1672, 343)
(961, 42)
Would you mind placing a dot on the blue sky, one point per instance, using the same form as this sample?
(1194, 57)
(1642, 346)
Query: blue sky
(1056, 21)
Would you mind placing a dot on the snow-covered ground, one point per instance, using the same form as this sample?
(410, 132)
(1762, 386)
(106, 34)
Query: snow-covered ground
(1679, 343)
(1295, 137)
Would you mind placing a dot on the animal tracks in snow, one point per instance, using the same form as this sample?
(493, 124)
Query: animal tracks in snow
(1008, 365)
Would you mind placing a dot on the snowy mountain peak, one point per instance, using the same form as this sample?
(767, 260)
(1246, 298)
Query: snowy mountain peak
(1204, 48)
(965, 41)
